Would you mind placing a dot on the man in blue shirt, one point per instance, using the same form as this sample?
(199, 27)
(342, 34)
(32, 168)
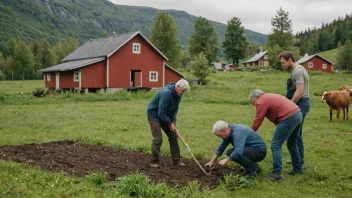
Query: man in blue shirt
(248, 147)
(162, 111)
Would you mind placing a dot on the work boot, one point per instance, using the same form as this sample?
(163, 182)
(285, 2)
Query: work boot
(179, 163)
(275, 177)
(294, 172)
(254, 173)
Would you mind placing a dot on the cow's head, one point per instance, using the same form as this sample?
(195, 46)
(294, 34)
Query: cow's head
(324, 95)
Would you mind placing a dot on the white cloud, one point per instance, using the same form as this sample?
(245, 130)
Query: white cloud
(256, 14)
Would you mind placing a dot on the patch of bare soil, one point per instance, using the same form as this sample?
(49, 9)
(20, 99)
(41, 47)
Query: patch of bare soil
(80, 159)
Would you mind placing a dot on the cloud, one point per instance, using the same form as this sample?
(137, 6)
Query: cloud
(256, 14)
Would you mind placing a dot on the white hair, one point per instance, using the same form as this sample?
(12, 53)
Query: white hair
(255, 94)
(183, 84)
(219, 126)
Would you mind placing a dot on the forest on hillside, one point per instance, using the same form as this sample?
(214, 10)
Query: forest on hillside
(328, 36)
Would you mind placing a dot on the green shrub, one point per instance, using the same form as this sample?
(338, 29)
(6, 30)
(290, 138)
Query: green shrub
(98, 178)
(39, 92)
(137, 185)
(234, 182)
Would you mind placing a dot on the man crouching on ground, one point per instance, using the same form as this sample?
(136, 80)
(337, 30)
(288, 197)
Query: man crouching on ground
(249, 147)
(162, 111)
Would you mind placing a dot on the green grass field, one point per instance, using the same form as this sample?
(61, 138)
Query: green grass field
(330, 55)
(117, 119)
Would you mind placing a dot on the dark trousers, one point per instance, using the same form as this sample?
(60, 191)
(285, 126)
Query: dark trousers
(249, 158)
(156, 127)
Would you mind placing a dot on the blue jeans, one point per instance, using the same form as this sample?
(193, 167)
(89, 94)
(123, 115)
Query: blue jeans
(287, 129)
(304, 105)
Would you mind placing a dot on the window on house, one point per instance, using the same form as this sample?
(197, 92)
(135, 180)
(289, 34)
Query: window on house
(310, 65)
(136, 48)
(266, 63)
(260, 63)
(48, 77)
(325, 66)
(76, 76)
(153, 76)
(265, 56)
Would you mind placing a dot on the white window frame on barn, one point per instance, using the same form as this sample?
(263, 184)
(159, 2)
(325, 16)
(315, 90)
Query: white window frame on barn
(325, 66)
(153, 76)
(76, 76)
(48, 77)
(310, 64)
(136, 48)
(266, 63)
(265, 57)
(260, 63)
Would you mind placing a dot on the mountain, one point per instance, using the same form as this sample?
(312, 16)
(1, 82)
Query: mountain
(58, 19)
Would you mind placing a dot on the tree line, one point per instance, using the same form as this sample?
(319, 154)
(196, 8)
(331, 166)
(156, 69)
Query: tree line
(21, 61)
(329, 36)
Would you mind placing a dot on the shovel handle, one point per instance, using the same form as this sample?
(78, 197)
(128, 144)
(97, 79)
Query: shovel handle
(189, 150)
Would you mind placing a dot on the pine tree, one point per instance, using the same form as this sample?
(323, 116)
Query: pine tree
(281, 39)
(204, 39)
(235, 44)
(282, 30)
(164, 37)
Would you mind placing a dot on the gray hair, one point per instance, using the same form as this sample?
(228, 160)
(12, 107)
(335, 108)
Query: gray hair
(183, 84)
(255, 94)
(219, 126)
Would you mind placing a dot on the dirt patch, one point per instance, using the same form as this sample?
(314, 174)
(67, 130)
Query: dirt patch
(80, 159)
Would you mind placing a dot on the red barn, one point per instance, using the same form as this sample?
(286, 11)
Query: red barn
(260, 59)
(112, 63)
(316, 63)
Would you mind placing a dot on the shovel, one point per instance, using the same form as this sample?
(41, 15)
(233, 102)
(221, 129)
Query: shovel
(189, 150)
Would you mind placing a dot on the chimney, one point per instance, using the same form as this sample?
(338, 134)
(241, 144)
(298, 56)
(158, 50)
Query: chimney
(306, 54)
(261, 50)
(90, 39)
(113, 34)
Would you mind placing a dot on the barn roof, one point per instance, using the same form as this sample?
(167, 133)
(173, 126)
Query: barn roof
(256, 57)
(105, 47)
(174, 70)
(307, 58)
(71, 65)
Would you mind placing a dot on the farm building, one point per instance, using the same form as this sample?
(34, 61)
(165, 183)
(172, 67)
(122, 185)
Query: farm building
(112, 63)
(260, 59)
(229, 67)
(316, 63)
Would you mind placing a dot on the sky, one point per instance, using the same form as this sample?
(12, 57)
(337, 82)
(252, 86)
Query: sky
(255, 14)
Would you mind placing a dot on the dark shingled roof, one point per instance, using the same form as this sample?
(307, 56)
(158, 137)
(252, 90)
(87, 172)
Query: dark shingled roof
(71, 65)
(96, 50)
(104, 47)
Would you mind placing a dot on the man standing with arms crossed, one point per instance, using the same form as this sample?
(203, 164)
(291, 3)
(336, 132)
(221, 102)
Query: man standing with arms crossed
(297, 92)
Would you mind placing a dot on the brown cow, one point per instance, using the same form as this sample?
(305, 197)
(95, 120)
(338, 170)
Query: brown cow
(343, 87)
(337, 100)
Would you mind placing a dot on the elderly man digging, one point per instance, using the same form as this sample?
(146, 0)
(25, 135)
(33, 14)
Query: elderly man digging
(287, 117)
(162, 111)
(248, 147)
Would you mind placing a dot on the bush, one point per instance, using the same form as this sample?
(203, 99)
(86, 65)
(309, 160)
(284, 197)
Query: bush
(39, 92)
(137, 185)
(235, 182)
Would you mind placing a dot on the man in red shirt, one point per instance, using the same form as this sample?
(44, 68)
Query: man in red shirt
(287, 117)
